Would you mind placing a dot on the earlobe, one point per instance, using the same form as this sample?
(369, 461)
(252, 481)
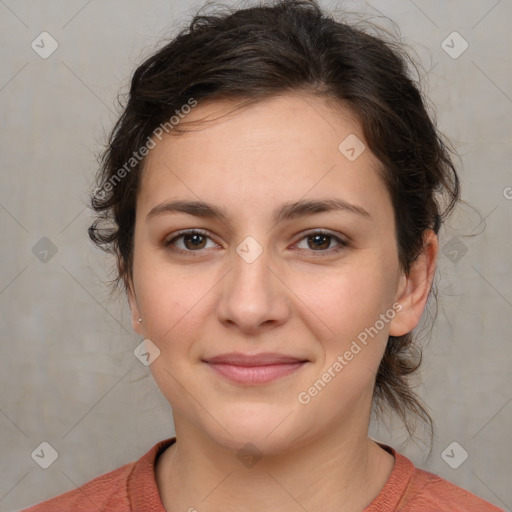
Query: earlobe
(414, 287)
(134, 309)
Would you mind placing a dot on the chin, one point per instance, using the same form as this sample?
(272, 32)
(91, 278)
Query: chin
(265, 429)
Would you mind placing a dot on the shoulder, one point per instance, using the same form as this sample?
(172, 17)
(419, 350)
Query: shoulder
(130, 487)
(410, 489)
(105, 492)
(428, 492)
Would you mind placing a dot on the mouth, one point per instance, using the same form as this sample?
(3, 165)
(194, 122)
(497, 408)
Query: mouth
(254, 369)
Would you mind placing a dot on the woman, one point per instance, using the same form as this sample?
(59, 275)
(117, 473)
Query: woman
(273, 193)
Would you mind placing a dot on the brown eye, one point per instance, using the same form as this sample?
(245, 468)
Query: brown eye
(191, 241)
(320, 241)
(195, 241)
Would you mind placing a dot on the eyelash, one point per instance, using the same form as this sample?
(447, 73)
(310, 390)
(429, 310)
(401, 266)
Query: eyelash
(199, 252)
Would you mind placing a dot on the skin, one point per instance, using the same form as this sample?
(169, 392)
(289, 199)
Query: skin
(294, 299)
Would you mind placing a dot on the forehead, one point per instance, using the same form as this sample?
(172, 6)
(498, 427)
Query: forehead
(287, 146)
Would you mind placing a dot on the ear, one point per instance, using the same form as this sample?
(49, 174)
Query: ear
(134, 308)
(413, 288)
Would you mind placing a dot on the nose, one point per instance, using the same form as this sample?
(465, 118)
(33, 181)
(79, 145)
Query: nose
(254, 296)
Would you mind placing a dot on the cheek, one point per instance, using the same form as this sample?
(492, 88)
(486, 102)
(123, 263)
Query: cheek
(347, 301)
(350, 305)
(171, 297)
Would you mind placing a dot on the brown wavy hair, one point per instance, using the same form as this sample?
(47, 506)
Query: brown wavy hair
(254, 53)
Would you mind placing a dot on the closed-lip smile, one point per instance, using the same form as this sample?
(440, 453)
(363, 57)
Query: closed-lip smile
(253, 369)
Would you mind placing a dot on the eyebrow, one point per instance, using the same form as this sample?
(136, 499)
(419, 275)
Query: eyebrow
(287, 211)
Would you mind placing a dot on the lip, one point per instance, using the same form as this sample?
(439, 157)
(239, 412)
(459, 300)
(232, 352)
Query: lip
(254, 368)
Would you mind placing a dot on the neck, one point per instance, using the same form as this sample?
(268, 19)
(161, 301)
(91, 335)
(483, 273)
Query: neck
(334, 472)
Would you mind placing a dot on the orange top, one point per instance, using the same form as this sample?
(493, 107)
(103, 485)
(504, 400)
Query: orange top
(132, 487)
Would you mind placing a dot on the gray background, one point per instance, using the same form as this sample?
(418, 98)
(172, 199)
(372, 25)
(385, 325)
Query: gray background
(68, 375)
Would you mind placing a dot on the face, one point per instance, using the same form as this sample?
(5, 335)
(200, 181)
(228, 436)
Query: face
(254, 275)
